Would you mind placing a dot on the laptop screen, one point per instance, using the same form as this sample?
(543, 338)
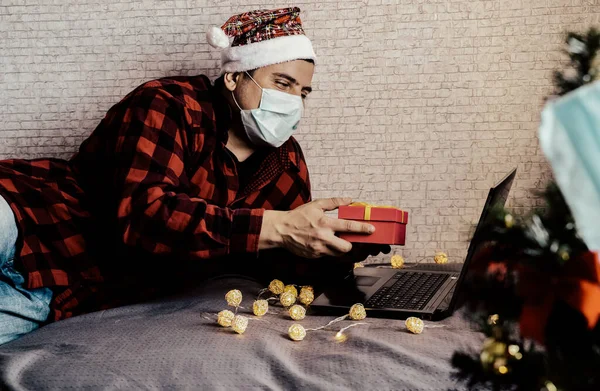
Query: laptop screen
(496, 196)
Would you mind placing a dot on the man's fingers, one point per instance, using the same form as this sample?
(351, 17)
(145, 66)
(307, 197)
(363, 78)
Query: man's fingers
(338, 246)
(332, 203)
(332, 253)
(340, 225)
(336, 254)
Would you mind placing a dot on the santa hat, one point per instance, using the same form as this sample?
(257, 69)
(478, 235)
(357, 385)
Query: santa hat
(260, 38)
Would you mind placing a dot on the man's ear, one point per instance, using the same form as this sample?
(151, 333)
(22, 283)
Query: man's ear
(231, 80)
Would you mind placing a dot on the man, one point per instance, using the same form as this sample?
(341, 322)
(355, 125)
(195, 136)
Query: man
(178, 174)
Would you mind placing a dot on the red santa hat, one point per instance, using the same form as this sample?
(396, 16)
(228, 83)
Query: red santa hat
(260, 38)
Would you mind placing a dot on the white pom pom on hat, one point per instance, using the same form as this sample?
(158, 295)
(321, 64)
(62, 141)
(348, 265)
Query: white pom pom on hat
(217, 38)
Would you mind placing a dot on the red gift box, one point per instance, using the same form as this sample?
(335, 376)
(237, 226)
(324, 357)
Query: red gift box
(389, 222)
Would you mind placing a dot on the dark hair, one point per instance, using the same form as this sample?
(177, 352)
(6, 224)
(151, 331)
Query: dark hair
(220, 81)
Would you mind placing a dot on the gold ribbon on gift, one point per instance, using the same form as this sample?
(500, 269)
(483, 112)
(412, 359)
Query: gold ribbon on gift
(367, 215)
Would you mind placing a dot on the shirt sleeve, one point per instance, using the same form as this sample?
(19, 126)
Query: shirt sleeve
(301, 180)
(154, 212)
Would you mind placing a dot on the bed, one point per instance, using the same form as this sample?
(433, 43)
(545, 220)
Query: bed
(175, 343)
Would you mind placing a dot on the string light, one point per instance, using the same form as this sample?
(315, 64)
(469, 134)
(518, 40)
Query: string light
(440, 258)
(234, 298)
(330, 323)
(297, 312)
(414, 325)
(287, 299)
(261, 292)
(307, 295)
(297, 332)
(225, 317)
(357, 312)
(239, 324)
(341, 337)
(397, 262)
(292, 289)
(276, 287)
(260, 307)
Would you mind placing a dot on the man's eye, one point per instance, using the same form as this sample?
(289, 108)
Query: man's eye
(282, 84)
(304, 96)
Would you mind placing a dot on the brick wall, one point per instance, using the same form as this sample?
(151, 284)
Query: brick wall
(419, 104)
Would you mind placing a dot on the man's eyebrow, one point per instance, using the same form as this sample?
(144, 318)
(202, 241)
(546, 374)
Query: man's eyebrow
(291, 80)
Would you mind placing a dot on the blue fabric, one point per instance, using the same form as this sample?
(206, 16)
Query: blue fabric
(21, 310)
(570, 138)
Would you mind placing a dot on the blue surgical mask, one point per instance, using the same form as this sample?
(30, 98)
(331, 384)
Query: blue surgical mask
(275, 119)
(570, 138)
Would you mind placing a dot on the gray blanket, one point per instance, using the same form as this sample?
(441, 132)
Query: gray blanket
(177, 344)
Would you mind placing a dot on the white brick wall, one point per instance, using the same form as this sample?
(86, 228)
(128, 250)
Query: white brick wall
(417, 104)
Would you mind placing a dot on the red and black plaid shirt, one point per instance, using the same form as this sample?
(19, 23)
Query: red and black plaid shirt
(153, 186)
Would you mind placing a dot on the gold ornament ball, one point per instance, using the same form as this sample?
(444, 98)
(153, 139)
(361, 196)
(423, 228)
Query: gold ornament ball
(441, 258)
(260, 307)
(239, 324)
(358, 312)
(397, 261)
(493, 353)
(297, 312)
(307, 295)
(225, 317)
(287, 299)
(493, 319)
(234, 297)
(297, 332)
(509, 220)
(414, 325)
(292, 289)
(501, 368)
(358, 264)
(276, 287)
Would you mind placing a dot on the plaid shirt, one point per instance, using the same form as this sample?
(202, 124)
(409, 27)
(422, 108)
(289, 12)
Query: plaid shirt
(153, 187)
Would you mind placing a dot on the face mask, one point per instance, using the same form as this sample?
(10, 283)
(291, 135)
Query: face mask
(275, 119)
(570, 138)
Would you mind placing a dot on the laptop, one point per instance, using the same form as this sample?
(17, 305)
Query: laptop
(425, 291)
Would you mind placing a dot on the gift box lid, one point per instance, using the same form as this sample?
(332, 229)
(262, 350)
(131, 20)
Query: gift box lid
(373, 213)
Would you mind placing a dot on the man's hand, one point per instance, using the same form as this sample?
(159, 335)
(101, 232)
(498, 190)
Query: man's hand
(306, 231)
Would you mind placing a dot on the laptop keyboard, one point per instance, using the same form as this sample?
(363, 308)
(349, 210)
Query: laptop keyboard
(411, 290)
